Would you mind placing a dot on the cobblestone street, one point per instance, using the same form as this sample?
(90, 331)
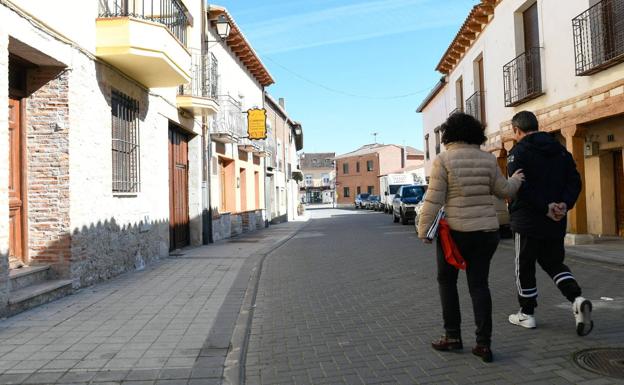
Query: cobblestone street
(352, 299)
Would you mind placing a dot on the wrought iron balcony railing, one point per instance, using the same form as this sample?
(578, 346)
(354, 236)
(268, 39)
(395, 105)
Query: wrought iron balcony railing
(475, 106)
(455, 111)
(599, 37)
(522, 78)
(229, 119)
(171, 13)
(204, 76)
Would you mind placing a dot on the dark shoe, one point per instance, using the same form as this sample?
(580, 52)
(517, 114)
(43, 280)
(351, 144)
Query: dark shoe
(446, 344)
(484, 352)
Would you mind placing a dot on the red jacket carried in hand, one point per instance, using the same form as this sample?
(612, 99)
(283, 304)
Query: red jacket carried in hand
(451, 252)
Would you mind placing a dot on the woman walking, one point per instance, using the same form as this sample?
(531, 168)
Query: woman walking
(464, 179)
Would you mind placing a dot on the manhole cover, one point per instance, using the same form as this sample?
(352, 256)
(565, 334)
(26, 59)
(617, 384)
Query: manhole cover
(605, 361)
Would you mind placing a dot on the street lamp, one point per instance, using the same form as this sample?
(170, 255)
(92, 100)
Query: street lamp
(223, 27)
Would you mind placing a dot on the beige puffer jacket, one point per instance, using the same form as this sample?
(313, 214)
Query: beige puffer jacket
(464, 180)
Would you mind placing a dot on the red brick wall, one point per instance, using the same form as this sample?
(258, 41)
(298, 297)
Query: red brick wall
(353, 179)
(47, 115)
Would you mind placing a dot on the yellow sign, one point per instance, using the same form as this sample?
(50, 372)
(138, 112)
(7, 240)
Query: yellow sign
(256, 124)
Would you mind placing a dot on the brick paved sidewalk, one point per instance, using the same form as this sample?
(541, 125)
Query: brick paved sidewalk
(353, 299)
(169, 324)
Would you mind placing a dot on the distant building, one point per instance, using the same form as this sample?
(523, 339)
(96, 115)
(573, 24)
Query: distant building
(319, 177)
(284, 139)
(358, 171)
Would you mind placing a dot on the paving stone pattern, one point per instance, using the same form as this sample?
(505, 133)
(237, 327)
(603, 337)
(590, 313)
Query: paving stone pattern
(353, 300)
(164, 325)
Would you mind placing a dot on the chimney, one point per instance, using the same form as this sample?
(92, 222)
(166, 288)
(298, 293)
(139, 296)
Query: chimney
(282, 103)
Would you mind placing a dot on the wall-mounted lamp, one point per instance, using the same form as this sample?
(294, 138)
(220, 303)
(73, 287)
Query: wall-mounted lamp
(223, 27)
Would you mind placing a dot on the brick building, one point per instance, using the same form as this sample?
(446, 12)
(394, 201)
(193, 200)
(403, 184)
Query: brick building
(358, 171)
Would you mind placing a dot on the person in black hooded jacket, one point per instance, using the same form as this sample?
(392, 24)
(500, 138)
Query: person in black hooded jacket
(538, 218)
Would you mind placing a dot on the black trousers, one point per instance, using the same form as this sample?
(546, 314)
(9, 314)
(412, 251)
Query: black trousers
(549, 253)
(477, 248)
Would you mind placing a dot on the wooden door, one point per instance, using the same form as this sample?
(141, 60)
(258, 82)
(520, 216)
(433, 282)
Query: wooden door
(618, 170)
(257, 189)
(243, 189)
(531, 40)
(222, 179)
(16, 189)
(178, 189)
(531, 28)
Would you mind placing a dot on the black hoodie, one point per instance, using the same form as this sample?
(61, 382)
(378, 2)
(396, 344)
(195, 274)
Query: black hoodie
(551, 176)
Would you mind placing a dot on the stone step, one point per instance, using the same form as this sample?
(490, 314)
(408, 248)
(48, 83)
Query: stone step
(27, 276)
(38, 294)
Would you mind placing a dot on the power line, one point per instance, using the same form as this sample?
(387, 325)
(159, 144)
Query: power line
(341, 92)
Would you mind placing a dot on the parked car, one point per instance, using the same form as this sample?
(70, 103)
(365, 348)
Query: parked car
(360, 199)
(372, 203)
(419, 207)
(405, 202)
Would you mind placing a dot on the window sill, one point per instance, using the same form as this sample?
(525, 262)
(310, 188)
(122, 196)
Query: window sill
(125, 195)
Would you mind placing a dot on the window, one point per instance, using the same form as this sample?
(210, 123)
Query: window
(325, 178)
(345, 168)
(359, 190)
(369, 165)
(427, 156)
(437, 140)
(357, 167)
(459, 94)
(308, 180)
(370, 189)
(125, 143)
(346, 192)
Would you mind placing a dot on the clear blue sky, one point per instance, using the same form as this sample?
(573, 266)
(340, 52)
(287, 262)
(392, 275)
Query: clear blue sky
(366, 51)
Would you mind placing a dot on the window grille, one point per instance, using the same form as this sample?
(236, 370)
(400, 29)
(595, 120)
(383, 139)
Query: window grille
(125, 143)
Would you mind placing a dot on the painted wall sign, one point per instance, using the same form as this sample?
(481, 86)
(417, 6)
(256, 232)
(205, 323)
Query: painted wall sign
(256, 124)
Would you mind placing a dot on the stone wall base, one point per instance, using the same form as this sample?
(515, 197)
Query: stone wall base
(230, 225)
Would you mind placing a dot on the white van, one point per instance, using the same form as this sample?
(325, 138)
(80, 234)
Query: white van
(389, 184)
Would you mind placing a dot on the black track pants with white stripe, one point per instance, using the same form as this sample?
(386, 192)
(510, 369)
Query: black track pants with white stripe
(549, 253)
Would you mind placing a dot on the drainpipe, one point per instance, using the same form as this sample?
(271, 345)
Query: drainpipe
(206, 151)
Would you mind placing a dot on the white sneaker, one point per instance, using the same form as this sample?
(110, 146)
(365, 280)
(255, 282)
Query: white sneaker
(582, 314)
(524, 320)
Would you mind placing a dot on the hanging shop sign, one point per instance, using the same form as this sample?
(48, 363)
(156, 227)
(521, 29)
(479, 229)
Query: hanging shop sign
(256, 124)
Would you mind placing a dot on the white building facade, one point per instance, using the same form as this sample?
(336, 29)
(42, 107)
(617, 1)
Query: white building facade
(109, 108)
(285, 140)
(237, 164)
(563, 64)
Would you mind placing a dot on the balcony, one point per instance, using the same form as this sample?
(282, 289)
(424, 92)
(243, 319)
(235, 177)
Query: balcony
(522, 78)
(228, 122)
(145, 39)
(475, 106)
(199, 95)
(599, 37)
(261, 149)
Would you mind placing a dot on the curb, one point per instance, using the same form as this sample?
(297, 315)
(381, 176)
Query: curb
(234, 370)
